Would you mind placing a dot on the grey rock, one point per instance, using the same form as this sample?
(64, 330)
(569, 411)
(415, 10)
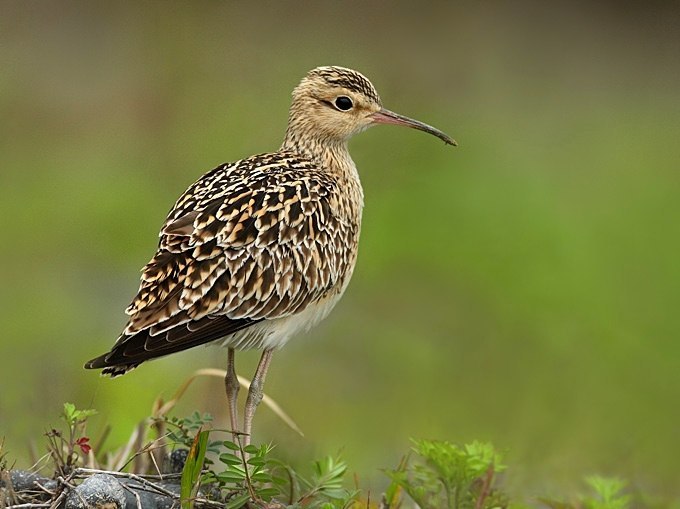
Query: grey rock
(149, 498)
(100, 491)
(25, 481)
(176, 460)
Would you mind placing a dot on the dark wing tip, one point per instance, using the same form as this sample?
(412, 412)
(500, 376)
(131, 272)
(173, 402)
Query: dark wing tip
(96, 363)
(114, 371)
(108, 369)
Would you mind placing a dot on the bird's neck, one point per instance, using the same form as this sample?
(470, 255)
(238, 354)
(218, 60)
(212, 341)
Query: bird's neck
(329, 154)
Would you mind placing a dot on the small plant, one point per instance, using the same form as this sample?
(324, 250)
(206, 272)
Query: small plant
(246, 474)
(607, 494)
(448, 476)
(63, 448)
(325, 488)
(183, 432)
(250, 474)
(237, 475)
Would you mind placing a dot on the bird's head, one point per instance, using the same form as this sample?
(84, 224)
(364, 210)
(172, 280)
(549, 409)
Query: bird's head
(332, 104)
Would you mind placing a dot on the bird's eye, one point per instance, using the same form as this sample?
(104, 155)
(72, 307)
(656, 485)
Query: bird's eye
(343, 103)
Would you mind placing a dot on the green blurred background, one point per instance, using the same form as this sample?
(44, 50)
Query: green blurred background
(522, 288)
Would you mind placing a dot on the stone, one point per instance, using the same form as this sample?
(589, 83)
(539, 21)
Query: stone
(99, 491)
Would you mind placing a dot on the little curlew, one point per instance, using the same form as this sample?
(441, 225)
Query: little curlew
(261, 249)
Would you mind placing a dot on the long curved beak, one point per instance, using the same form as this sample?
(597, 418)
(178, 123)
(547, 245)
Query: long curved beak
(389, 117)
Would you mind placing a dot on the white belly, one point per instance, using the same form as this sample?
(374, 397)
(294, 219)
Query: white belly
(276, 333)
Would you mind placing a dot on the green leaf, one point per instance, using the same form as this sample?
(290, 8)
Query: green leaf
(261, 477)
(231, 445)
(609, 493)
(192, 469)
(73, 416)
(208, 477)
(257, 461)
(481, 455)
(281, 481)
(230, 459)
(237, 502)
(251, 449)
(69, 410)
(268, 493)
(231, 477)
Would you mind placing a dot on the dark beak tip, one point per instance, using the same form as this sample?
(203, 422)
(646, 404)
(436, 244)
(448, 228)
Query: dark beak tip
(385, 116)
(447, 140)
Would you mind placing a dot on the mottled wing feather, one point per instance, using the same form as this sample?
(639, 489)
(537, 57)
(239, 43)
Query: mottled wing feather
(254, 240)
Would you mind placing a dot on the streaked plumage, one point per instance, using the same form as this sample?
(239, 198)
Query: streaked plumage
(260, 249)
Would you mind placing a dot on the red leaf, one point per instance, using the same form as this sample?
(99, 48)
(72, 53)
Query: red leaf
(83, 443)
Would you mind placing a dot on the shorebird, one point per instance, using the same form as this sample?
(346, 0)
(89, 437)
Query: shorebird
(261, 249)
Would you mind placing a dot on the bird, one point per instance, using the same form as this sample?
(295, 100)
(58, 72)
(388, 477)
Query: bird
(259, 250)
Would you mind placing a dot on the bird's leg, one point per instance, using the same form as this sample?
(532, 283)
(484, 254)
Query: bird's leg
(255, 392)
(232, 386)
